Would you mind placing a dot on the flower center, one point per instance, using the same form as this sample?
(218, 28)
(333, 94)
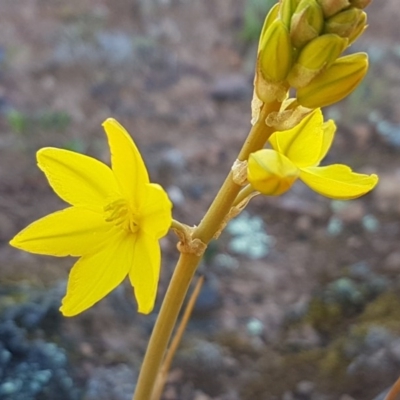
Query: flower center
(119, 213)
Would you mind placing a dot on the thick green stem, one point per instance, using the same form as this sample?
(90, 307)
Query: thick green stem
(165, 323)
(188, 263)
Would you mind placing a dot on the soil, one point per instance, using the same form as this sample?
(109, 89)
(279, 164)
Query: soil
(178, 75)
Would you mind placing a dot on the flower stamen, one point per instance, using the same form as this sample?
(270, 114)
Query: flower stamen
(119, 213)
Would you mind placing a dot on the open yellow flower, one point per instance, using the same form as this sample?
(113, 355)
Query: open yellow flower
(114, 225)
(297, 153)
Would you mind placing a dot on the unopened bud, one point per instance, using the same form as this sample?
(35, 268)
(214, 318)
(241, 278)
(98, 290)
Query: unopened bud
(286, 10)
(271, 17)
(275, 56)
(344, 23)
(318, 54)
(335, 83)
(270, 172)
(359, 28)
(307, 23)
(332, 7)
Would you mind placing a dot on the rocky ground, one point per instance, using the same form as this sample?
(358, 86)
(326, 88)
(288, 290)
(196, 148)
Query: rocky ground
(302, 294)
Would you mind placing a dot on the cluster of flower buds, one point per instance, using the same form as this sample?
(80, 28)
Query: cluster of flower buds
(300, 47)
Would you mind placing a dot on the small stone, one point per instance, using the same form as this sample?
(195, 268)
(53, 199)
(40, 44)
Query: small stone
(335, 226)
(392, 262)
(288, 396)
(360, 270)
(304, 337)
(362, 134)
(370, 223)
(303, 224)
(352, 212)
(176, 195)
(305, 388)
(201, 396)
(387, 193)
(170, 393)
(225, 262)
(255, 327)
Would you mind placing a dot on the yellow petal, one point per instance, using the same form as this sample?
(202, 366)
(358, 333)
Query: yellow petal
(302, 144)
(95, 275)
(145, 271)
(78, 179)
(155, 213)
(338, 181)
(73, 231)
(270, 172)
(126, 160)
(328, 132)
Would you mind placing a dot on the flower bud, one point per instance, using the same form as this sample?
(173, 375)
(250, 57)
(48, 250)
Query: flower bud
(359, 28)
(331, 7)
(307, 23)
(270, 172)
(318, 54)
(335, 83)
(271, 16)
(345, 22)
(360, 3)
(286, 10)
(275, 56)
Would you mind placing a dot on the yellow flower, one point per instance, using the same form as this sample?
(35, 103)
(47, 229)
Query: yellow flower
(114, 225)
(297, 153)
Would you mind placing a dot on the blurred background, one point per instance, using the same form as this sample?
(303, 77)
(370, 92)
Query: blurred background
(302, 297)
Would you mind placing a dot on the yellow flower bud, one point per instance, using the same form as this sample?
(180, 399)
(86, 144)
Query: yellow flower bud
(286, 10)
(359, 28)
(345, 22)
(307, 23)
(271, 16)
(331, 7)
(318, 54)
(335, 83)
(275, 56)
(270, 172)
(360, 3)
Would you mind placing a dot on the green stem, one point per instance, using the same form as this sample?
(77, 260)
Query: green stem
(188, 263)
(162, 377)
(243, 194)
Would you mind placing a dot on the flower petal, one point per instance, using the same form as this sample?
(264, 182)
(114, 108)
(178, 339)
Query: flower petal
(126, 160)
(328, 129)
(155, 213)
(303, 143)
(95, 275)
(338, 181)
(70, 232)
(145, 271)
(270, 172)
(78, 179)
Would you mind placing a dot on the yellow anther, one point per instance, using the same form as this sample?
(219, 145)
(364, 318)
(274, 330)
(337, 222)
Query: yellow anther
(119, 213)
